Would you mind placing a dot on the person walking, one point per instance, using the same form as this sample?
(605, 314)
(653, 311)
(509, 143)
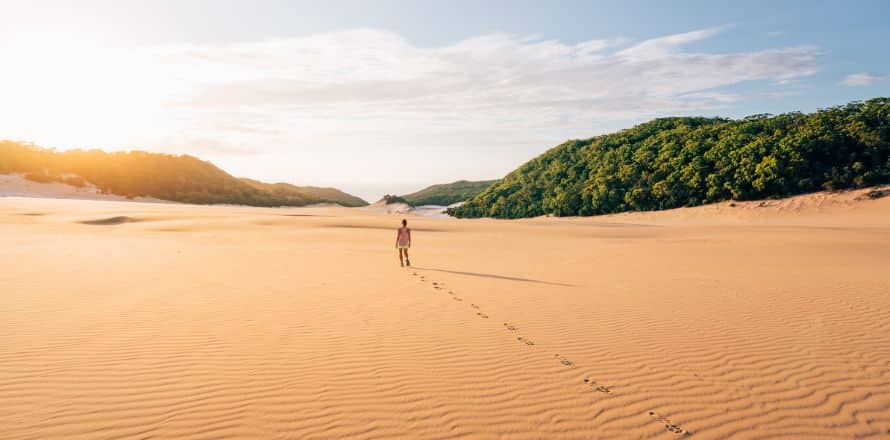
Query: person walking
(403, 242)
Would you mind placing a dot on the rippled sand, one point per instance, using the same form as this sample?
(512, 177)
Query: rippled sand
(134, 320)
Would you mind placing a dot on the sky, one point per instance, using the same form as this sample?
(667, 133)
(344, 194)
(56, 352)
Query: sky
(390, 96)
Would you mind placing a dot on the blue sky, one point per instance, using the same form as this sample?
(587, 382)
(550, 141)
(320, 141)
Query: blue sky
(387, 96)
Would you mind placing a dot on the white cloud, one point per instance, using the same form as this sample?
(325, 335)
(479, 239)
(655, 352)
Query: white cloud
(365, 94)
(863, 79)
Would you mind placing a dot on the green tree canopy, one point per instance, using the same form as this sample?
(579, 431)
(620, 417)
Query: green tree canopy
(687, 161)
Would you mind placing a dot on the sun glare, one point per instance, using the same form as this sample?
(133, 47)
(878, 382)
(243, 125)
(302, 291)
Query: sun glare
(64, 91)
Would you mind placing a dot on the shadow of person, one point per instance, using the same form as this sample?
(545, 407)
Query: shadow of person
(495, 276)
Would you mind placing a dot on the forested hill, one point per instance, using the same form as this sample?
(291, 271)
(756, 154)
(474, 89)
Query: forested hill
(447, 193)
(688, 161)
(168, 177)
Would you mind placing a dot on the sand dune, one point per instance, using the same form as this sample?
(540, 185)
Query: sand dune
(15, 185)
(742, 321)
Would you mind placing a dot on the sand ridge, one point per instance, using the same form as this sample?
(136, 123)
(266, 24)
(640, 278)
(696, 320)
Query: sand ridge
(233, 322)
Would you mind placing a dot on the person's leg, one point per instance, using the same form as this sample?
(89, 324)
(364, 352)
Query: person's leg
(400, 257)
(407, 258)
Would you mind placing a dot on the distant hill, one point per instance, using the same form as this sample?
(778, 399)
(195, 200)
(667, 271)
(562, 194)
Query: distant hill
(305, 195)
(168, 177)
(688, 161)
(447, 193)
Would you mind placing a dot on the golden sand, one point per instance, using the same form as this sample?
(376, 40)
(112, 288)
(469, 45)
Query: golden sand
(135, 320)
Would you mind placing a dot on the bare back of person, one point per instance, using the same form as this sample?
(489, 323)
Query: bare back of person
(403, 243)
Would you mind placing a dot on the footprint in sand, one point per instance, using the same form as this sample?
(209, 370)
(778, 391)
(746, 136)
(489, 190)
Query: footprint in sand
(482, 315)
(475, 306)
(510, 327)
(668, 424)
(600, 388)
(457, 298)
(564, 361)
(525, 341)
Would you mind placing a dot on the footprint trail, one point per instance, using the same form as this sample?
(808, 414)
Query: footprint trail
(668, 424)
(589, 382)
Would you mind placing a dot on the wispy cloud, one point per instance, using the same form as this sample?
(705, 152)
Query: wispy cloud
(377, 72)
(663, 46)
(863, 79)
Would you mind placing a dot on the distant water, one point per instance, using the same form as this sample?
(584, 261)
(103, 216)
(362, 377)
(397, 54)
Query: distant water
(374, 191)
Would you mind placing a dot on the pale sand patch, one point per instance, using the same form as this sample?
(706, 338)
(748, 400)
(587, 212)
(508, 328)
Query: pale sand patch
(380, 207)
(235, 322)
(16, 185)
